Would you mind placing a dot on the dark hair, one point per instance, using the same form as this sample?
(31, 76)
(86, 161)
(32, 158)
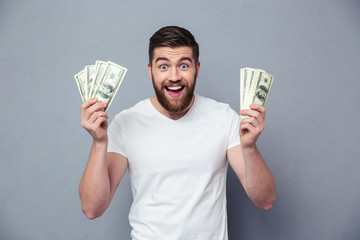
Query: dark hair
(173, 36)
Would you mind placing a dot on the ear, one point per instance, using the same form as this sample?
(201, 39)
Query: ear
(198, 69)
(149, 69)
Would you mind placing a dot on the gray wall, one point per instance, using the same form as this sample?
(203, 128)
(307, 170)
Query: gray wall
(310, 143)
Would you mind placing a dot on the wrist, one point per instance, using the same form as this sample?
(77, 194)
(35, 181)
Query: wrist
(100, 143)
(249, 149)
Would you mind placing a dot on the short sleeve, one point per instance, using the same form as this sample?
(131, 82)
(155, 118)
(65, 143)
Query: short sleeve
(233, 120)
(116, 143)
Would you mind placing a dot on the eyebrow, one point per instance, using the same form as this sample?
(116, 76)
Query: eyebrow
(166, 59)
(160, 59)
(186, 58)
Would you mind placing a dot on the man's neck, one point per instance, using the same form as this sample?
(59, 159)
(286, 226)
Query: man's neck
(172, 115)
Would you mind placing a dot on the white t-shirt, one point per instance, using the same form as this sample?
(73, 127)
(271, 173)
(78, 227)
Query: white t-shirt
(177, 169)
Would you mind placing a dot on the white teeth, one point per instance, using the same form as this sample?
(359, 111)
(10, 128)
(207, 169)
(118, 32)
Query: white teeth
(174, 88)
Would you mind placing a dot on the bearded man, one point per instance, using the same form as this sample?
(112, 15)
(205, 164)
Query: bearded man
(177, 146)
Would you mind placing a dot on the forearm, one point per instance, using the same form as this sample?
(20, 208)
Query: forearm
(260, 183)
(94, 186)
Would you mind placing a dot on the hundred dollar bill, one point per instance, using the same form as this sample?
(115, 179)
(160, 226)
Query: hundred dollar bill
(255, 86)
(110, 82)
(262, 88)
(80, 79)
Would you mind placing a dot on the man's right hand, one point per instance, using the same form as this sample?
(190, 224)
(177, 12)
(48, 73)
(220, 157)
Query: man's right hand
(94, 119)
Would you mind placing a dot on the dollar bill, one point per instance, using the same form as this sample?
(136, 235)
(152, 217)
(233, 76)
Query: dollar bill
(80, 79)
(98, 72)
(262, 88)
(249, 91)
(110, 82)
(242, 84)
(255, 86)
(101, 80)
(89, 71)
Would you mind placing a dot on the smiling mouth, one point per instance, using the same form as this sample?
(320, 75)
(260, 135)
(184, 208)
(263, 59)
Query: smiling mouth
(175, 91)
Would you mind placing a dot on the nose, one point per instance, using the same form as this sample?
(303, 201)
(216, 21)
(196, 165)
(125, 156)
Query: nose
(175, 75)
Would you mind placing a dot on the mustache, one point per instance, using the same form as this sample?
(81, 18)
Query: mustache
(170, 83)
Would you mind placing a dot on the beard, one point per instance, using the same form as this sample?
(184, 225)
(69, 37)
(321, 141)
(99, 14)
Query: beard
(174, 105)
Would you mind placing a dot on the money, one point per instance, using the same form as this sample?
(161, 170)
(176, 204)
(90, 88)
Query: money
(255, 86)
(80, 79)
(110, 82)
(101, 80)
(89, 71)
(98, 72)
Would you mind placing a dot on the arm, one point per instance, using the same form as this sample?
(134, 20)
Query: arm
(247, 162)
(104, 171)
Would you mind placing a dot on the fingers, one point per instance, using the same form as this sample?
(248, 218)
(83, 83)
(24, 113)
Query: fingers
(260, 109)
(89, 107)
(97, 115)
(255, 122)
(99, 121)
(247, 127)
(257, 111)
(251, 127)
(86, 105)
(251, 120)
(91, 112)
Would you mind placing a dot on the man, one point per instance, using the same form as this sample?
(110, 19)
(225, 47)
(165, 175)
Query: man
(176, 146)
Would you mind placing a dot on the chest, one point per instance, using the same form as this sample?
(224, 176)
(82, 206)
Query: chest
(174, 148)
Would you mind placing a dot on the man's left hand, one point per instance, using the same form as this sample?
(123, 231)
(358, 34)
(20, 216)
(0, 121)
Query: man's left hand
(252, 126)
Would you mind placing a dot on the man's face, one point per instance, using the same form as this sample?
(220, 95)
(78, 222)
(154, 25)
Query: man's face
(173, 73)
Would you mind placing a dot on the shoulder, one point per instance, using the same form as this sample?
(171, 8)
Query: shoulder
(210, 108)
(211, 104)
(134, 111)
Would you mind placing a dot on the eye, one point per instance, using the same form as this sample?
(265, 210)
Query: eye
(163, 67)
(183, 65)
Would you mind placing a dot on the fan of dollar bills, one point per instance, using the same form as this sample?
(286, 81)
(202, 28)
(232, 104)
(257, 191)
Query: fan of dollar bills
(100, 81)
(255, 86)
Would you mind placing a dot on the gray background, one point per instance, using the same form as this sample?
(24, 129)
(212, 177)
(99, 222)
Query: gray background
(310, 143)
